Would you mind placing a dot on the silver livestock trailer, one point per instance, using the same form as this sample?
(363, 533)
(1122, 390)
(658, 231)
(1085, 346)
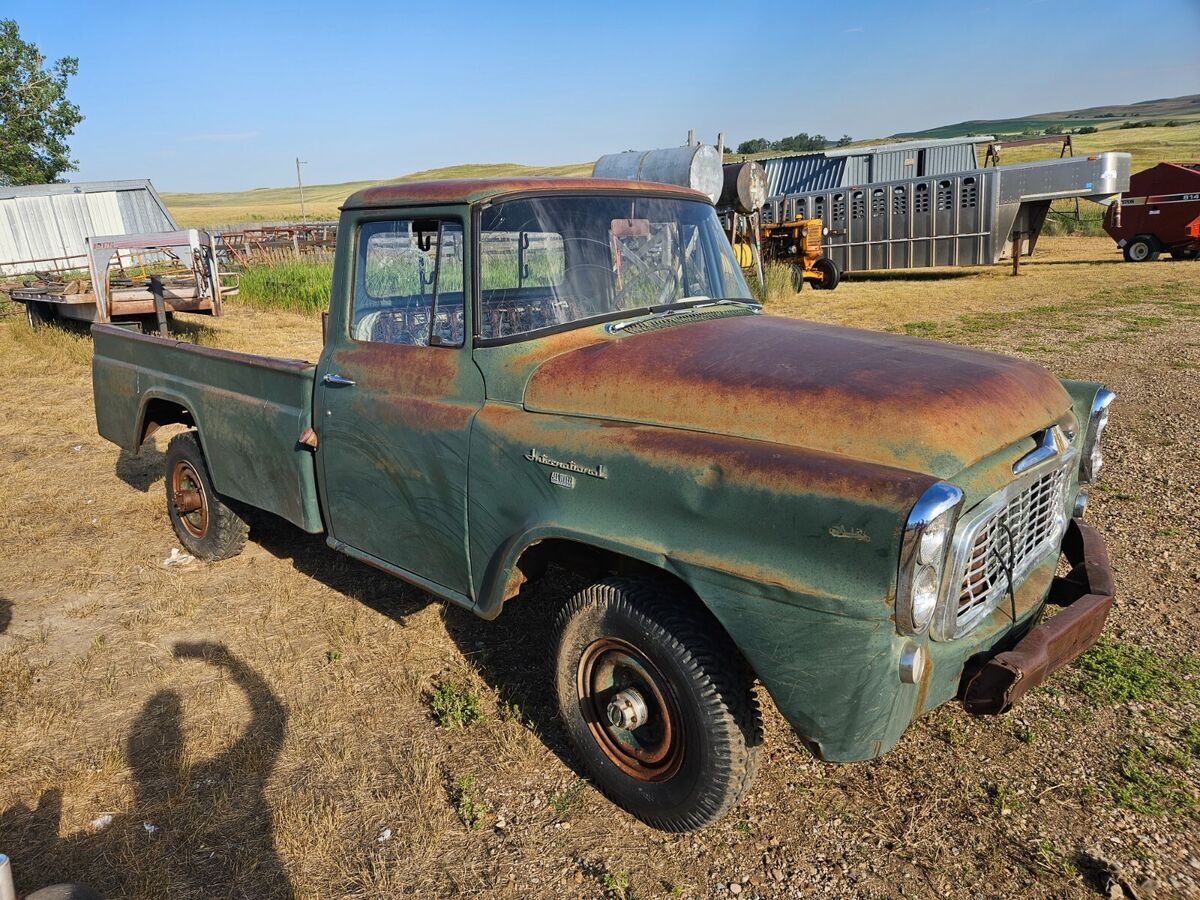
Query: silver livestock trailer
(968, 218)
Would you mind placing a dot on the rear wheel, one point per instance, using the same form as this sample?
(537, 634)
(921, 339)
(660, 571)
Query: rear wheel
(830, 276)
(1141, 249)
(206, 526)
(657, 702)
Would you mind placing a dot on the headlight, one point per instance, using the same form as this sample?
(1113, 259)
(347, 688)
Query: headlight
(1093, 455)
(923, 551)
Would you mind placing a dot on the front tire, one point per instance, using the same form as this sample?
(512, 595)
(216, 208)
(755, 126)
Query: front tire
(1141, 249)
(657, 702)
(206, 526)
(830, 275)
(797, 278)
(1185, 253)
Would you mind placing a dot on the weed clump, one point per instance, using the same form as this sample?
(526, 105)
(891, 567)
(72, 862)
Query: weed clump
(471, 809)
(1116, 672)
(455, 705)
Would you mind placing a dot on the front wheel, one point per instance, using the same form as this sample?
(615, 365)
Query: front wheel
(657, 702)
(206, 526)
(797, 278)
(1185, 253)
(1141, 249)
(830, 275)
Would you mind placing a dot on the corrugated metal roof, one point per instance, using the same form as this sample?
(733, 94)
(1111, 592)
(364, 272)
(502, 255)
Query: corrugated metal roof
(910, 145)
(803, 172)
(807, 172)
(49, 222)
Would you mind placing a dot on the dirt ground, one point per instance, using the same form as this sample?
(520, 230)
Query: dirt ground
(262, 727)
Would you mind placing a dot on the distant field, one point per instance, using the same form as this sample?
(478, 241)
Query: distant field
(322, 200)
(1148, 146)
(1179, 108)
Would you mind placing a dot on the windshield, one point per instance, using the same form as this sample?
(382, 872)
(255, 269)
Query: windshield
(556, 260)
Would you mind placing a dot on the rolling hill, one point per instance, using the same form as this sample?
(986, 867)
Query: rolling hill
(1183, 109)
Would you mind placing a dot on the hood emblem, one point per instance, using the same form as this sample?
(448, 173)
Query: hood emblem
(854, 534)
(597, 471)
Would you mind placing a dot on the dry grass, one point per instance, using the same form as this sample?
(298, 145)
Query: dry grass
(270, 716)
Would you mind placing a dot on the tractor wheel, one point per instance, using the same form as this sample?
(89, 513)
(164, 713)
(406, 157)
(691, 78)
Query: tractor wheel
(1183, 253)
(1141, 249)
(830, 276)
(657, 701)
(797, 278)
(206, 526)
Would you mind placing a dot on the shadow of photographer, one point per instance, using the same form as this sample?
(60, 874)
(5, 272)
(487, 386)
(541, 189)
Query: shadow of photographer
(202, 829)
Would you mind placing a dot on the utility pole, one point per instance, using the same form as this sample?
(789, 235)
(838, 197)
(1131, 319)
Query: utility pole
(300, 184)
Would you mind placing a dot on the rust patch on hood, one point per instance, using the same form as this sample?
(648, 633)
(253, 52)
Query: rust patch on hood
(893, 400)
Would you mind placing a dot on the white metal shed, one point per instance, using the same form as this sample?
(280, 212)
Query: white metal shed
(44, 226)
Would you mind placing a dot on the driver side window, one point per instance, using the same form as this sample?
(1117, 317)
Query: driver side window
(407, 272)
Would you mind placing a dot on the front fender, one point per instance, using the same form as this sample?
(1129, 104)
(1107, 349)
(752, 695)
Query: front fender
(822, 532)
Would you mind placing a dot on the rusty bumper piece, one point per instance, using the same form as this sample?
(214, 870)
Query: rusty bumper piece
(1087, 595)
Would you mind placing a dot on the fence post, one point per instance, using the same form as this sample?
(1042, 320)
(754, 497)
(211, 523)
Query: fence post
(160, 306)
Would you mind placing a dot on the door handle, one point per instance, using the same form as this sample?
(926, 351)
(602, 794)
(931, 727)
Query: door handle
(339, 380)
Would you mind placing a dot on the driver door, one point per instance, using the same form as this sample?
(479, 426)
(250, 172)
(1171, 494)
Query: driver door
(397, 396)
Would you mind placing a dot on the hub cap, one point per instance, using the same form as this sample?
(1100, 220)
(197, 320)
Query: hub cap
(187, 495)
(630, 710)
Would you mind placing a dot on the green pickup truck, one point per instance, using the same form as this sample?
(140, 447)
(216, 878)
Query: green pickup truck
(519, 373)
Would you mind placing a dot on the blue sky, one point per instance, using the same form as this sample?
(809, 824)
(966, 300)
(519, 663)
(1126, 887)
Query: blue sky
(223, 96)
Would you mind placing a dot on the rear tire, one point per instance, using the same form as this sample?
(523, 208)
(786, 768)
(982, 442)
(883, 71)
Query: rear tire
(206, 526)
(1141, 249)
(657, 701)
(830, 275)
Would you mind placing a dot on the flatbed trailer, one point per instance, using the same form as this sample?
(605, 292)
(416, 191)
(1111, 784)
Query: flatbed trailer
(184, 261)
(971, 218)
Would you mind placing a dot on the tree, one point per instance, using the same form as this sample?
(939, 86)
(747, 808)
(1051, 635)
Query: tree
(36, 118)
(844, 141)
(754, 145)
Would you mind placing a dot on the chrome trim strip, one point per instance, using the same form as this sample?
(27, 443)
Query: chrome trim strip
(1104, 397)
(1044, 451)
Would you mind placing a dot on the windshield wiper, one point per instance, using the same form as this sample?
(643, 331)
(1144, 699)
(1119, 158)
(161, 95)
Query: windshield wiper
(687, 303)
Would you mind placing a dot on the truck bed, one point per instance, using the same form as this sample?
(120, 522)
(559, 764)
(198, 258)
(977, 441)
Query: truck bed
(250, 411)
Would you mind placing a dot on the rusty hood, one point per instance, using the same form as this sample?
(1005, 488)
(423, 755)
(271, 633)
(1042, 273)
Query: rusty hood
(899, 401)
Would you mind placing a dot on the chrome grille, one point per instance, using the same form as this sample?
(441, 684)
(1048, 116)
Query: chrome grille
(1017, 533)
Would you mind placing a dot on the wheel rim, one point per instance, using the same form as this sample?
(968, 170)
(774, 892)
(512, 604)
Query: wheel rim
(1139, 251)
(188, 498)
(630, 710)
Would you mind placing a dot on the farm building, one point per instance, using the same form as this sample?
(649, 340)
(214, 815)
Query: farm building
(43, 226)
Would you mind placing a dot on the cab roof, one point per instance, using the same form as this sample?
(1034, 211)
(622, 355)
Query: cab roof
(478, 190)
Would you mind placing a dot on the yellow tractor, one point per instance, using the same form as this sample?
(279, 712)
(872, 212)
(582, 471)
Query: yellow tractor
(798, 242)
